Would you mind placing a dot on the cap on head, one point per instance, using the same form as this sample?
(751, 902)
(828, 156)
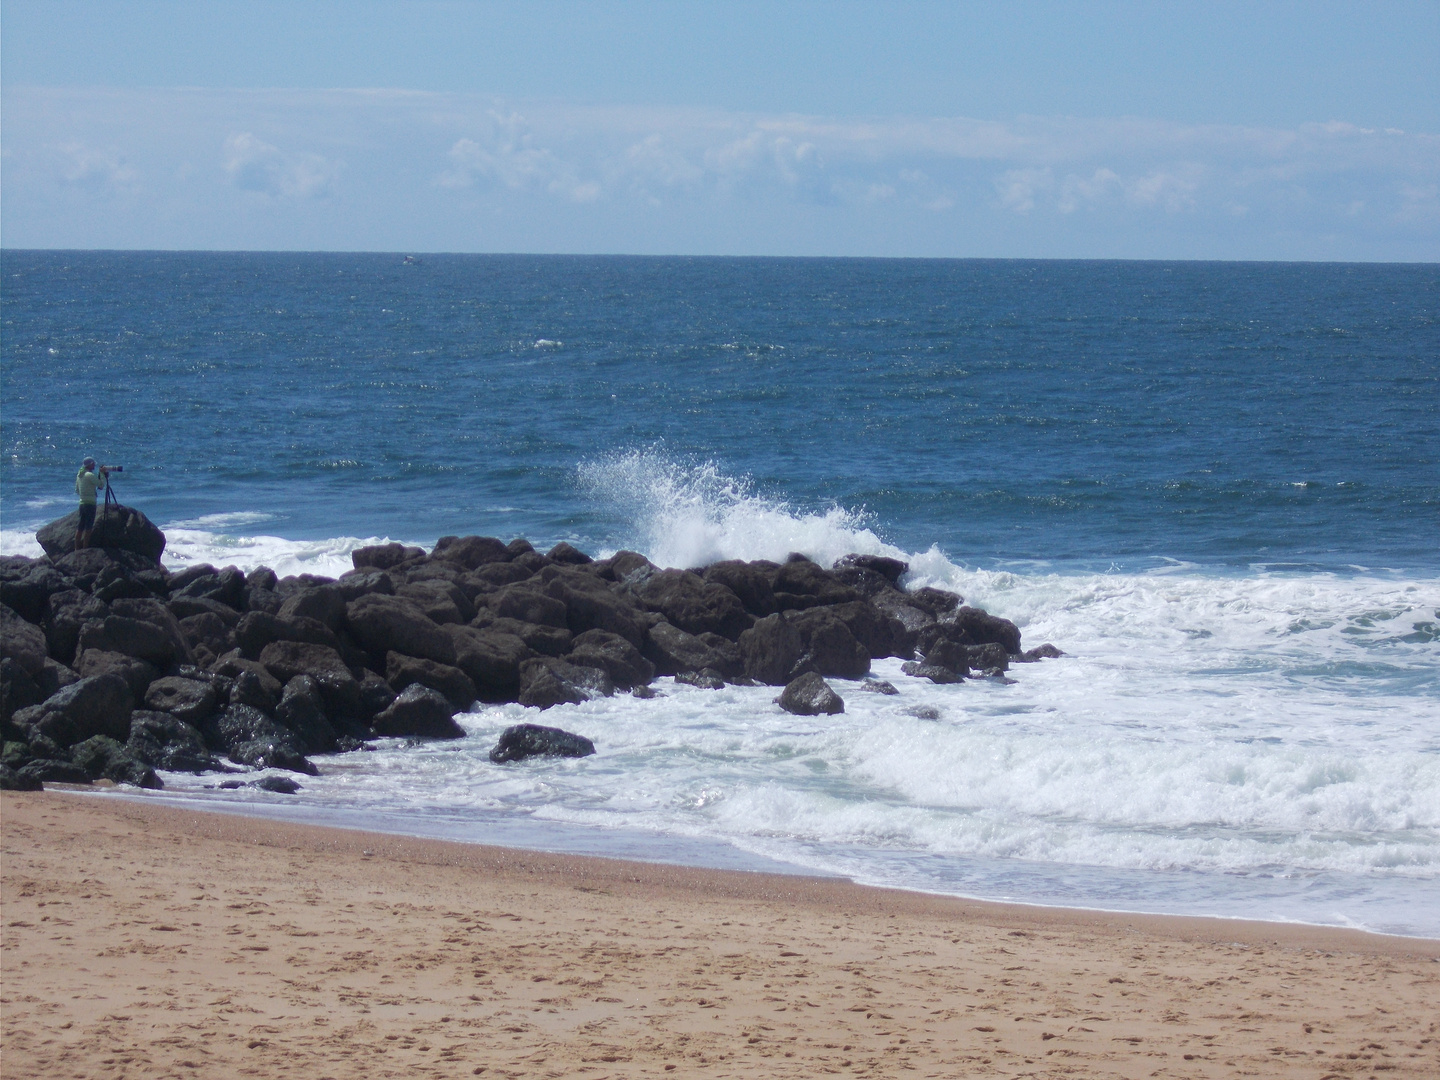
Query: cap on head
(89, 462)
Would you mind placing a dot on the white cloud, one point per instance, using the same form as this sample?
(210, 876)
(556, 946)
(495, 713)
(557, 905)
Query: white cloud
(481, 172)
(254, 165)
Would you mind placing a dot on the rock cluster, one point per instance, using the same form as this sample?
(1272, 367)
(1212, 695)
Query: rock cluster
(114, 667)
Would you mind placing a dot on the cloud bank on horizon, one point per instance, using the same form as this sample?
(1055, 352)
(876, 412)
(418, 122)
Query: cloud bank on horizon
(426, 171)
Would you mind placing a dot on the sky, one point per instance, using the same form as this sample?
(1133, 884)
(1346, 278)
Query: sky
(1030, 129)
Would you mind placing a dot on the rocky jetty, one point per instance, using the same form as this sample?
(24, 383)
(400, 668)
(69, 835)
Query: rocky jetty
(113, 667)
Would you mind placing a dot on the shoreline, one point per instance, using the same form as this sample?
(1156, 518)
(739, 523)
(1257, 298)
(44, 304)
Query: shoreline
(149, 940)
(761, 864)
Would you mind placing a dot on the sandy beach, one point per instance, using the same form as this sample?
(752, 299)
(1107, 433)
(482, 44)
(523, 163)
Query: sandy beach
(145, 941)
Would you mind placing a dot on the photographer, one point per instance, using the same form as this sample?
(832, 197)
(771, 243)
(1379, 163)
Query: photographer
(88, 481)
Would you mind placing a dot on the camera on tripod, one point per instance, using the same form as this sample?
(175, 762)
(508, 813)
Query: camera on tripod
(107, 469)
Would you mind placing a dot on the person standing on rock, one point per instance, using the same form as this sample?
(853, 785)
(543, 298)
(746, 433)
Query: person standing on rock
(88, 481)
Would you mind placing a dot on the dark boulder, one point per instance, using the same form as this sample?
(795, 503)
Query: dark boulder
(190, 700)
(51, 771)
(546, 640)
(1040, 652)
(613, 655)
(566, 555)
(17, 690)
(442, 601)
(937, 602)
(262, 577)
(99, 705)
(454, 684)
(68, 610)
(23, 642)
(263, 600)
(233, 666)
(323, 603)
(104, 758)
(491, 659)
(983, 627)
(257, 629)
(249, 689)
(26, 586)
(384, 556)
(383, 624)
(801, 583)
(223, 586)
(185, 607)
(278, 785)
(375, 695)
(338, 685)
(590, 604)
(521, 741)
(673, 651)
(358, 583)
(121, 527)
(527, 603)
(207, 631)
(810, 695)
(83, 568)
(890, 569)
(752, 583)
(546, 682)
(693, 604)
(166, 742)
(12, 780)
(302, 711)
(624, 566)
(878, 686)
(470, 552)
(249, 737)
(830, 645)
(140, 628)
(138, 674)
(495, 575)
(705, 679)
(772, 649)
(934, 672)
(418, 712)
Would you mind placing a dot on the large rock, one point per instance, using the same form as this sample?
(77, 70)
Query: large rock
(673, 651)
(338, 686)
(890, 569)
(613, 655)
(358, 583)
(418, 712)
(67, 611)
(801, 583)
(302, 711)
(190, 700)
(492, 660)
(17, 691)
(546, 640)
(27, 584)
(457, 687)
(324, 603)
(772, 649)
(121, 527)
(565, 554)
(104, 758)
(384, 624)
(257, 629)
(207, 631)
(693, 604)
(830, 645)
(443, 601)
(879, 632)
(84, 569)
(99, 705)
(546, 682)
(384, 556)
(223, 586)
(529, 604)
(140, 628)
(249, 737)
(590, 604)
(470, 552)
(752, 582)
(983, 627)
(138, 674)
(810, 695)
(522, 741)
(22, 641)
(166, 742)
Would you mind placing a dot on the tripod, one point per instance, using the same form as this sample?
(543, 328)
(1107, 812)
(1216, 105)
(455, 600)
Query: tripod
(110, 499)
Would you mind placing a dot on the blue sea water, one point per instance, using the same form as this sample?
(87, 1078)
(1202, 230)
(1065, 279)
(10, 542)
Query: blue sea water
(1215, 486)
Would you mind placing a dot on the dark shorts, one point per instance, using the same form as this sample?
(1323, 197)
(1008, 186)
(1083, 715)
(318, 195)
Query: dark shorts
(87, 517)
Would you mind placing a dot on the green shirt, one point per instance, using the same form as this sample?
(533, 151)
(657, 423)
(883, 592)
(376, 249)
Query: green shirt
(86, 484)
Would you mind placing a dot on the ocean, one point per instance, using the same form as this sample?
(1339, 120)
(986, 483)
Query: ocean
(1215, 486)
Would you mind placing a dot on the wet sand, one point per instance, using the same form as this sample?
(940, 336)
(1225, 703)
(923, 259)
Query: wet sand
(147, 941)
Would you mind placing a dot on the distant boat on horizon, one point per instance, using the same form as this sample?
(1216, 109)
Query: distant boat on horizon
(411, 260)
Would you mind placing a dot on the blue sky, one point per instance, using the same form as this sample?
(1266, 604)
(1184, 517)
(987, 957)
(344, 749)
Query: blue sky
(1157, 130)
